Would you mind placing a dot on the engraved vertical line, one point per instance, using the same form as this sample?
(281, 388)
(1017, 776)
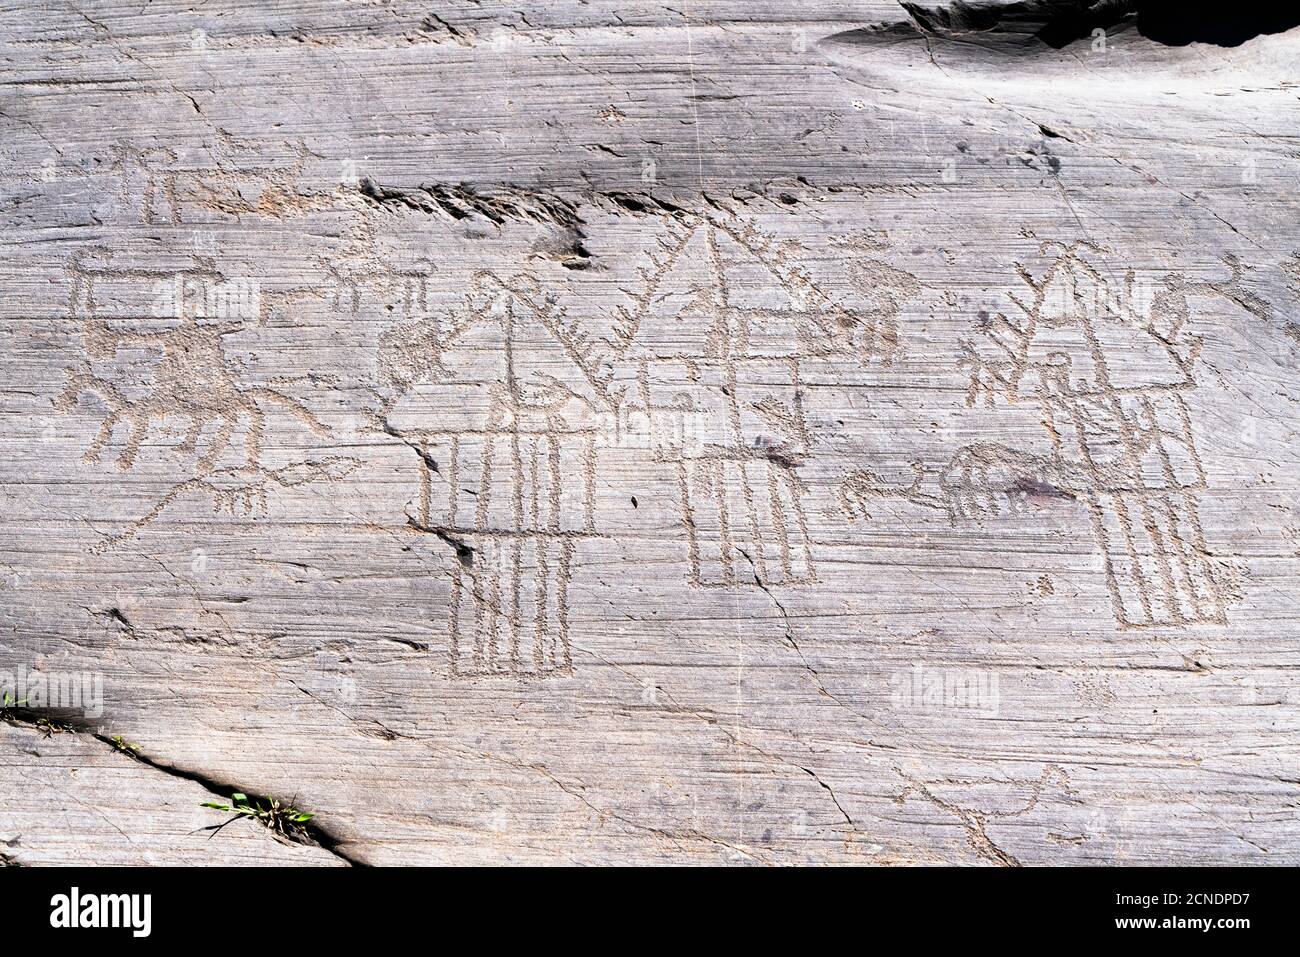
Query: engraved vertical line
(562, 602)
(688, 519)
(724, 523)
(426, 481)
(453, 482)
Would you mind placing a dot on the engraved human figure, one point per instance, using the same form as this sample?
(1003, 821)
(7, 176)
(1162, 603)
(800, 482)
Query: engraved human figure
(1108, 363)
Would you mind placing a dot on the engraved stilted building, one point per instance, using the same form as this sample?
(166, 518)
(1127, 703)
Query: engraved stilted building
(719, 377)
(1120, 427)
(515, 454)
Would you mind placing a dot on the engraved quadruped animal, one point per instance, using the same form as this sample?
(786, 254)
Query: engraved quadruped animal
(178, 371)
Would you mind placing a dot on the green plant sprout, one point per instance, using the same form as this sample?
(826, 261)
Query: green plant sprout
(283, 819)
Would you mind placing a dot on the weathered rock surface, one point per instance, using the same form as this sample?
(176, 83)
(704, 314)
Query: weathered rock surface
(830, 432)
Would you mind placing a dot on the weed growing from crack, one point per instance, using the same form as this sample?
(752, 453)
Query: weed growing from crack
(50, 728)
(285, 820)
(126, 747)
(13, 711)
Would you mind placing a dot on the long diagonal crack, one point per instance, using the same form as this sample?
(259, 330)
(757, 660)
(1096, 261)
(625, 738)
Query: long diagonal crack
(313, 834)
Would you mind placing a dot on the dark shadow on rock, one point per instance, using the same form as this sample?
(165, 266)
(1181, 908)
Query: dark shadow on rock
(999, 24)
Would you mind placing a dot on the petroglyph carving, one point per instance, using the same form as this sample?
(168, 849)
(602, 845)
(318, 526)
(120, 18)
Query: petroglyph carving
(384, 285)
(166, 365)
(241, 490)
(191, 378)
(987, 479)
(513, 489)
(740, 492)
(980, 480)
(1234, 289)
(237, 181)
(149, 173)
(811, 322)
(744, 315)
(1121, 435)
(861, 487)
(507, 479)
(1051, 780)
